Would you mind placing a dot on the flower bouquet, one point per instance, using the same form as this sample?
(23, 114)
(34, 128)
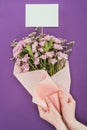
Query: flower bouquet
(42, 66)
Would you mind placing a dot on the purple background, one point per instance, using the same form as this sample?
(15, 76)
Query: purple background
(17, 112)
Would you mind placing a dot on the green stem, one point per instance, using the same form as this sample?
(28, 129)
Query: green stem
(31, 65)
(44, 63)
(50, 69)
(53, 69)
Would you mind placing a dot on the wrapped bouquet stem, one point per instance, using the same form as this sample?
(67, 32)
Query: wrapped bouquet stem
(42, 67)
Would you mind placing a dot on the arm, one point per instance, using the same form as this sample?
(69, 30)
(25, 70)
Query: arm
(68, 113)
(77, 126)
(52, 116)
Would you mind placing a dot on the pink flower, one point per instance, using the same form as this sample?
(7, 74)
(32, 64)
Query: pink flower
(53, 61)
(62, 55)
(57, 46)
(36, 62)
(17, 50)
(56, 40)
(42, 43)
(25, 42)
(21, 43)
(25, 58)
(18, 61)
(50, 54)
(34, 45)
(46, 38)
(25, 67)
(40, 49)
(43, 57)
(36, 55)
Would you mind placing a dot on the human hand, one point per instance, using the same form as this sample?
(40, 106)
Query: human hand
(67, 108)
(52, 116)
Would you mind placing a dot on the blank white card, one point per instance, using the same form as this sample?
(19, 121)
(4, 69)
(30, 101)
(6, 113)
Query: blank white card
(42, 15)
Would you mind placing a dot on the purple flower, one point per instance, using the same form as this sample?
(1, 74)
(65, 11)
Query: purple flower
(21, 43)
(18, 61)
(56, 40)
(17, 50)
(36, 55)
(42, 43)
(57, 46)
(25, 67)
(25, 58)
(25, 42)
(47, 37)
(50, 54)
(62, 55)
(36, 62)
(40, 49)
(34, 45)
(43, 57)
(52, 61)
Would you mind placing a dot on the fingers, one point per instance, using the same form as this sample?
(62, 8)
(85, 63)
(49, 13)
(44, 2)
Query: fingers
(71, 99)
(49, 103)
(62, 98)
(40, 108)
(41, 112)
(51, 107)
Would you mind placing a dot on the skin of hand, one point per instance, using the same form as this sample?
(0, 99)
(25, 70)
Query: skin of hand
(67, 108)
(68, 112)
(52, 116)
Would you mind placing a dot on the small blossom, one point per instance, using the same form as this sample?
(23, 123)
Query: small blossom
(40, 49)
(56, 46)
(36, 62)
(50, 54)
(53, 61)
(47, 37)
(17, 50)
(56, 40)
(36, 55)
(27, 40)
(25, 67)
(43, 57)
(42, 43)
(18, 61)
(62, 55)
(34, 45)
(25, 58)
(21, 43)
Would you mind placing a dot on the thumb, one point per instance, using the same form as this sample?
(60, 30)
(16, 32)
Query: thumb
(62, 98)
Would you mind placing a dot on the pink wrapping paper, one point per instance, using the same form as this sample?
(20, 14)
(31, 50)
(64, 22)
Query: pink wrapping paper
(40, 85)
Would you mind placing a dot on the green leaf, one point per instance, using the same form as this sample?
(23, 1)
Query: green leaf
(48, 45)
(21, 55)
(31, 65)
(29, 49)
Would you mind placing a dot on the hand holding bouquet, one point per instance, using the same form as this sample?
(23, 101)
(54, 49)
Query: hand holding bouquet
(41, 65)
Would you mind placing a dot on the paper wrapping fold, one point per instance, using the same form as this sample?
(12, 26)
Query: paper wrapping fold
(40, 85)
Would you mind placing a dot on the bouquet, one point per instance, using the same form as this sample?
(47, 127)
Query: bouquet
(42, 66)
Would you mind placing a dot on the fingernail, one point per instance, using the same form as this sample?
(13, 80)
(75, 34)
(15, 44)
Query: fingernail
(60, 92)
(46, 98)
